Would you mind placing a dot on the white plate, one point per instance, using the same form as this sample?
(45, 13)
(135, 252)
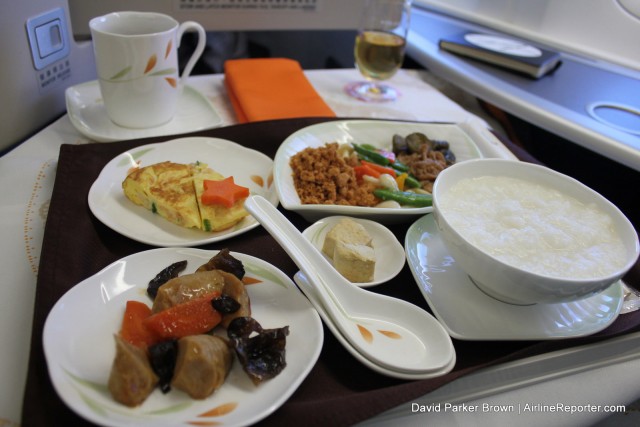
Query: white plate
(108, 203)
(389, 252)
(469, 314)
(88, 115)
(79, 346)
(373, 132)
(307, 288)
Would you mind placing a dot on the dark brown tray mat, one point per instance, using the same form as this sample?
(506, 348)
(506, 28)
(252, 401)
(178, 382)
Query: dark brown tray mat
(338, 391)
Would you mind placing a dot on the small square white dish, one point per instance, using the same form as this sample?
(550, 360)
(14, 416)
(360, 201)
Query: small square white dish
(390, 257)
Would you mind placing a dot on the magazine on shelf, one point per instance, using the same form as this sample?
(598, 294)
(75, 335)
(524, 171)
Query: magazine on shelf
(503, 51)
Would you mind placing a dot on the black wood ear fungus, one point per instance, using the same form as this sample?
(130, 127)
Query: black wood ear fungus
(261, 352)
(164, 276)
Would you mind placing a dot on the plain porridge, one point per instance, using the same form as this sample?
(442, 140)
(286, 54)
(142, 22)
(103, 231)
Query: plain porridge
(534, 227)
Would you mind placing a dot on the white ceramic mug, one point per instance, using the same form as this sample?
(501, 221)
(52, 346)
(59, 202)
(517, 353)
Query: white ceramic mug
(136, 57)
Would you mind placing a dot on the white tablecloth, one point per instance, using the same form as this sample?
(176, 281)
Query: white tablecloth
(27, 175)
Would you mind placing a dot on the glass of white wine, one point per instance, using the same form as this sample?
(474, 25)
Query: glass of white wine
(379, 48)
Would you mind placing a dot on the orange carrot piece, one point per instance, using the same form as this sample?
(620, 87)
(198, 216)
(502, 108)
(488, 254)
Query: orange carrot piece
(379, 168)
(363, 170)
(223, 192)
(193, 317)
(133, 329)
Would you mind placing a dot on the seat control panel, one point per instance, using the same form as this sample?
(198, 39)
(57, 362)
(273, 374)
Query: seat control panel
(48, 38)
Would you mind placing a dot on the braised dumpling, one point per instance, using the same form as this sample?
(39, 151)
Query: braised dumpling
(235, 289)
(131, 379)
(189, 286)
(202, 365)
(186, 287)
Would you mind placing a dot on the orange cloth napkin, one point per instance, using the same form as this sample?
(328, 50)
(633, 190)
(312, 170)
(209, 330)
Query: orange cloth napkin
(271, 88)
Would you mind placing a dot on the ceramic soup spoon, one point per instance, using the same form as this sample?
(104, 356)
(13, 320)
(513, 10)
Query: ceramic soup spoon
(307, 288)
(388, 331)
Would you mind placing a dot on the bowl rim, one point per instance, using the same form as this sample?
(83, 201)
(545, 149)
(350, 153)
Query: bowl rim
(624, 222)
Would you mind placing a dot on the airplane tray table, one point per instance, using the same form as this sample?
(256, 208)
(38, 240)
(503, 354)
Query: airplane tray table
(338, 391)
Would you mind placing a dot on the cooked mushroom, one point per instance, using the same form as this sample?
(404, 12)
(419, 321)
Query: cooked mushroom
(399, 144)
(162, 357)
(164, 276)
(416, 140)
(260, 351)
(224, 261)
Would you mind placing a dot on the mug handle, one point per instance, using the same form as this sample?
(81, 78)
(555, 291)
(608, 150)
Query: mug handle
(202, 40)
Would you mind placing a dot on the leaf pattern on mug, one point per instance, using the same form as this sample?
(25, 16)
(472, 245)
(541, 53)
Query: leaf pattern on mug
(165, 72)
(120, 74)
(151, 62)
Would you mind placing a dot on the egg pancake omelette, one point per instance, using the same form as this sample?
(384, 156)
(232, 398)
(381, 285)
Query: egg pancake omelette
(174, 190)
(215, 217)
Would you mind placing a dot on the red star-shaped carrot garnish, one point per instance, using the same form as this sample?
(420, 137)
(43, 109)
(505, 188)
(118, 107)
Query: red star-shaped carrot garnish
(223, 192)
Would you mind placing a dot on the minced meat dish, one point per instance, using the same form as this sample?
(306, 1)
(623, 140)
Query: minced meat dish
(425, 165)
(322, 176)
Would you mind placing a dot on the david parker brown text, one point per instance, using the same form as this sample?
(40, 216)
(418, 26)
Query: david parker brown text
(519, 408)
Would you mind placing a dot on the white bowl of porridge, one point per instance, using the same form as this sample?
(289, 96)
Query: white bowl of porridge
(526, 234)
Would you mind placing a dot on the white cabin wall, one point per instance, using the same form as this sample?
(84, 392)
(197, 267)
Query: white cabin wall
(26, 106)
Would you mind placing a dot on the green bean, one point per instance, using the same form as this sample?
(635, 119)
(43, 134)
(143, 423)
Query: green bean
(399, 167)
(368, 147)
(372, 155)
(411, 182)
(404, 197)
(369, 159)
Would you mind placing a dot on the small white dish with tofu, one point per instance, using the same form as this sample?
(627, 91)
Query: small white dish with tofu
(365, 252)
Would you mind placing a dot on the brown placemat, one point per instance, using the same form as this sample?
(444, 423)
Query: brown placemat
(338, 391)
